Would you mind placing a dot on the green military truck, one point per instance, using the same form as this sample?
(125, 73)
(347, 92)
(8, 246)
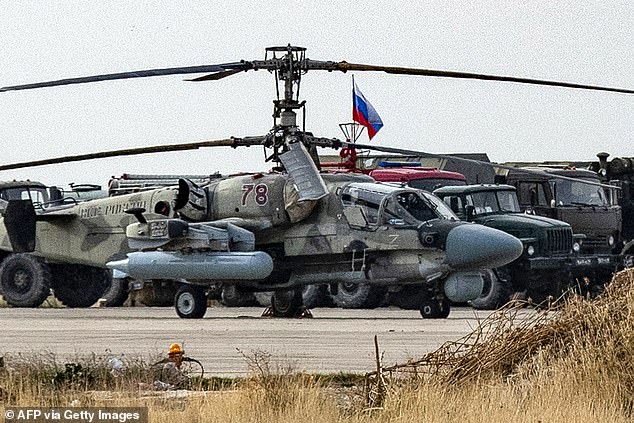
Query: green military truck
(547, 265)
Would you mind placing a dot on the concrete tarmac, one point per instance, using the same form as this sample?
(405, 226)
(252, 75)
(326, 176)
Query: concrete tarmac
(335, 340)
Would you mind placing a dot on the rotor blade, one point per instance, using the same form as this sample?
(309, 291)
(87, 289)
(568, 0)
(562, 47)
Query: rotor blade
(228, 142)
(404, 152)
(344, 67)
(238, 66)
(216, 76)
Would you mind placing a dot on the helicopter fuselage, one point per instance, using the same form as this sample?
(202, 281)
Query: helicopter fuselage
(252, 230)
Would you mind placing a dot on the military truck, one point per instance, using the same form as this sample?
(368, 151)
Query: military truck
(580, 200)
(619, 172)
(64, 279)
(551, 251)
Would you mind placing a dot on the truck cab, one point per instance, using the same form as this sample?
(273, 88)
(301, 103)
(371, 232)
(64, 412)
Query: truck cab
(578, 200)
(37, 192)
(545, 268)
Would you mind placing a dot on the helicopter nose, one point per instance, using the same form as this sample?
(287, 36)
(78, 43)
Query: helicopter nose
(473, 246)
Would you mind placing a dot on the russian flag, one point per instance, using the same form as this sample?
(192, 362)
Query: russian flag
(364, 113)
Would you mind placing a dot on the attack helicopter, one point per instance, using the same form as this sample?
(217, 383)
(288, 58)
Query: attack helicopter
(274, 231)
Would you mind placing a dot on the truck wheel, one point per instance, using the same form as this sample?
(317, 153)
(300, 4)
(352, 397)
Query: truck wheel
(355, 295)
(117, 293)
(79, 286)
(190, 302)
(434, 309)
(25, 280)
(496, 291)
(287, 303)
(315, 296)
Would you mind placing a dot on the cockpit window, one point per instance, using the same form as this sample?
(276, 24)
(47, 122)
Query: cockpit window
(391, 206)
(368, 201)
(416, 206)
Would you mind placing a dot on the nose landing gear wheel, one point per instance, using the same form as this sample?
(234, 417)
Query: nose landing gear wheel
(190, 302)
(434, 309)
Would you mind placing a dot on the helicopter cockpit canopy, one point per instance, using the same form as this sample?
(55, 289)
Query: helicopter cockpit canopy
(377, 204)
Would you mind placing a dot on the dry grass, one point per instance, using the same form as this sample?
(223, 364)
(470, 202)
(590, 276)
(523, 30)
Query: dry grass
(573, 362)
(50, 302)
(568, 365)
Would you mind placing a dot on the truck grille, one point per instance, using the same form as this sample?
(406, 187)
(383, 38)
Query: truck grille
(559, 240)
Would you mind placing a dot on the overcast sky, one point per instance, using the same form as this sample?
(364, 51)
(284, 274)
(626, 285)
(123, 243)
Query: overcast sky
(583, 42)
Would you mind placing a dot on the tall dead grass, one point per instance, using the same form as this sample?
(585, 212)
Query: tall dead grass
(574, 361)
(571, 364)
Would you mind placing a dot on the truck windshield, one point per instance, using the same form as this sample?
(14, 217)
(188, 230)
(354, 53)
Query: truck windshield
(573, 193)
(494, 202)
(36, 195)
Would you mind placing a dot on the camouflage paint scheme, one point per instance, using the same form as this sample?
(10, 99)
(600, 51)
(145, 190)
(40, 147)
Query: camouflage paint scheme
(359, 232)
(90, 233)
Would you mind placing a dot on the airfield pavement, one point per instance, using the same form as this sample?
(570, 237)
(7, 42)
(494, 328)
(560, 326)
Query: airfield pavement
(335, 340)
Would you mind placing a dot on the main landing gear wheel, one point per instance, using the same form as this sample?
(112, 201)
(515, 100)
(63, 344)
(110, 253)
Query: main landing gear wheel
(434, 309)
(190, 302)
(287, 303)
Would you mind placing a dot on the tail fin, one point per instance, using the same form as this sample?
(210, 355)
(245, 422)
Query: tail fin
(19, 219)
